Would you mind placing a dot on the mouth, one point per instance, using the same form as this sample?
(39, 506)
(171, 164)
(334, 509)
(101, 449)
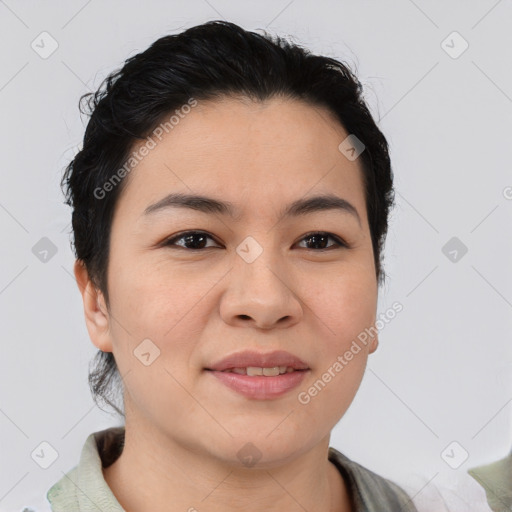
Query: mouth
(259, 363)
(260, 376)
(255, 371)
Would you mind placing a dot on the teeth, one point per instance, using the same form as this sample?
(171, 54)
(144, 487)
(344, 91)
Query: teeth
(252, 371)
(271, 372)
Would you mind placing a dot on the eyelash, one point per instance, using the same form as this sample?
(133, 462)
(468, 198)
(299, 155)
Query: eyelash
(339, 243)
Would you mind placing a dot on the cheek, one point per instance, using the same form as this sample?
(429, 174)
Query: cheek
(344, 305)
(170, 308)
(153, 299)
(344, 309)
(165, 311)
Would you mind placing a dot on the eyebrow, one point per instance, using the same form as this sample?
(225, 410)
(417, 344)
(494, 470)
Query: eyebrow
(210, 205)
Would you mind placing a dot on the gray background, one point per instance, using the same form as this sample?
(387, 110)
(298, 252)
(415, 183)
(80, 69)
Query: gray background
(442, 372)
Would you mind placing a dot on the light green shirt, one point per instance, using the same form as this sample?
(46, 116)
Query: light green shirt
(496, 479)
(84, 489)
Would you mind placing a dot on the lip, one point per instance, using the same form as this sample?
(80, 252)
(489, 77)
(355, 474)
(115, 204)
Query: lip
(259, 359)
(260, 387)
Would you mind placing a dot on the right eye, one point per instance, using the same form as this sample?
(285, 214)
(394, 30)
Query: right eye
(195, 239)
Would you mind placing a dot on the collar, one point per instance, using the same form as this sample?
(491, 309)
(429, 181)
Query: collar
(84, 488)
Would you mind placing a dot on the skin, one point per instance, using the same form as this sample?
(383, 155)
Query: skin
(183, 427)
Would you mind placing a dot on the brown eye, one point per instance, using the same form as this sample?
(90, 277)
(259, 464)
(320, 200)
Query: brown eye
(320, 239)
(193, 240)
(197, 240)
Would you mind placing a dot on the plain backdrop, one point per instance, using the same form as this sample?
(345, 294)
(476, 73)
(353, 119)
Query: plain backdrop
(442, 373)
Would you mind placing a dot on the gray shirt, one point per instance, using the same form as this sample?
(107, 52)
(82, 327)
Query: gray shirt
(84, 489)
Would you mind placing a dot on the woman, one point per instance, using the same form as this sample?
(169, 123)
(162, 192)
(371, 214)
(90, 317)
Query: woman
(230, 206)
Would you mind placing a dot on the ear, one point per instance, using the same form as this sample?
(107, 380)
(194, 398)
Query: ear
(374, 344)
(96, 315)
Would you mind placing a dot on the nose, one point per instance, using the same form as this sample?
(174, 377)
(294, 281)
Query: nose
(261, 294)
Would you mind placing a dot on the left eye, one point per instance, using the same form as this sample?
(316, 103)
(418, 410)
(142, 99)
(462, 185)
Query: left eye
(321, 236)
(195, 240)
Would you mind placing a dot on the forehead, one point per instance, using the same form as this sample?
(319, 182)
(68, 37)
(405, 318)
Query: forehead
(252, 154)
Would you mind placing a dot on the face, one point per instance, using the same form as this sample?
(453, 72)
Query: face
(255, 280)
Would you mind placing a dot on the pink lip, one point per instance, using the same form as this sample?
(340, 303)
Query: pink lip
(260, 360)
(261, 387)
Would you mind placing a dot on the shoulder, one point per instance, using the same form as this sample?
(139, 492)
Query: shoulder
(85, 483)
(370, 491)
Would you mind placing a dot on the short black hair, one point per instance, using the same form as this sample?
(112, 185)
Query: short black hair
(210, 61)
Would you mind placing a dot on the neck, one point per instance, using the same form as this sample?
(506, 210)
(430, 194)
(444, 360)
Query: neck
(154, 471)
